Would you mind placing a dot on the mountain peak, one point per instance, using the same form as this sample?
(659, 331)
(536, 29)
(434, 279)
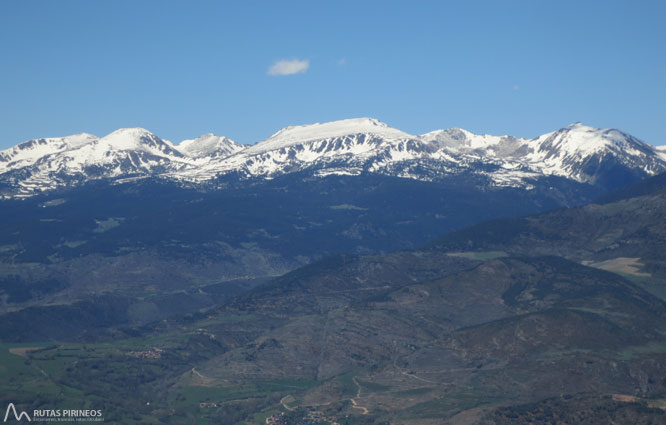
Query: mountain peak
(583, 137)
(134, 139)
(585, 153)
(318, 131)
(336, 128)
(134, 132)
(208, 145)
(130, 139)
(450, 137)
(364, 121)
(459, 139)
(603, 135)
(81, 136)
(581, 128)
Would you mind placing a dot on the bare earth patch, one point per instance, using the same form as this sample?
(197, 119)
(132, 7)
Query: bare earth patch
(23, 351)
(621, 265)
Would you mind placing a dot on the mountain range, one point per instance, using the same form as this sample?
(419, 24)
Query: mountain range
(603, 157)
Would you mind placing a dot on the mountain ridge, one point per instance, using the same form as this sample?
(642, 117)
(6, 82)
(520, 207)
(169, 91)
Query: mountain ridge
(605, 157)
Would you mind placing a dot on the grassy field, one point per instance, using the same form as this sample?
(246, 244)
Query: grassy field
(481, 255)
(373, 387)
(633, 352)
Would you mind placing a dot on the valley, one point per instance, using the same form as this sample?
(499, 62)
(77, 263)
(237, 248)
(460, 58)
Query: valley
(402, 353)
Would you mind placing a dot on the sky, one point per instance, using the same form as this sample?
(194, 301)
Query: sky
(246, 69)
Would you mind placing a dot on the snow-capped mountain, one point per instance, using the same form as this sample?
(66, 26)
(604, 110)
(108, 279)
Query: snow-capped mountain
(578, 152)
(209, 146)
(46, 164)
(365, 145)
(347, 147)
(585, 153)
(29, 152)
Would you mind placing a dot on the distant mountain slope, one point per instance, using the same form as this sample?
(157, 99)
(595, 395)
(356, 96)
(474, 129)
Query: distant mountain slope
(655, 185)
(150, 235)
(428, 335)
(604, 158)
(630, 221)
(626, 233)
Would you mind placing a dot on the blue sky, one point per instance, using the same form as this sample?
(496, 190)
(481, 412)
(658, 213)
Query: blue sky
(181, 69)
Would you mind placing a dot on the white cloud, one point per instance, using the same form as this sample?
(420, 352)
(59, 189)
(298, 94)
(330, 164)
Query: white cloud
(289, 67)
